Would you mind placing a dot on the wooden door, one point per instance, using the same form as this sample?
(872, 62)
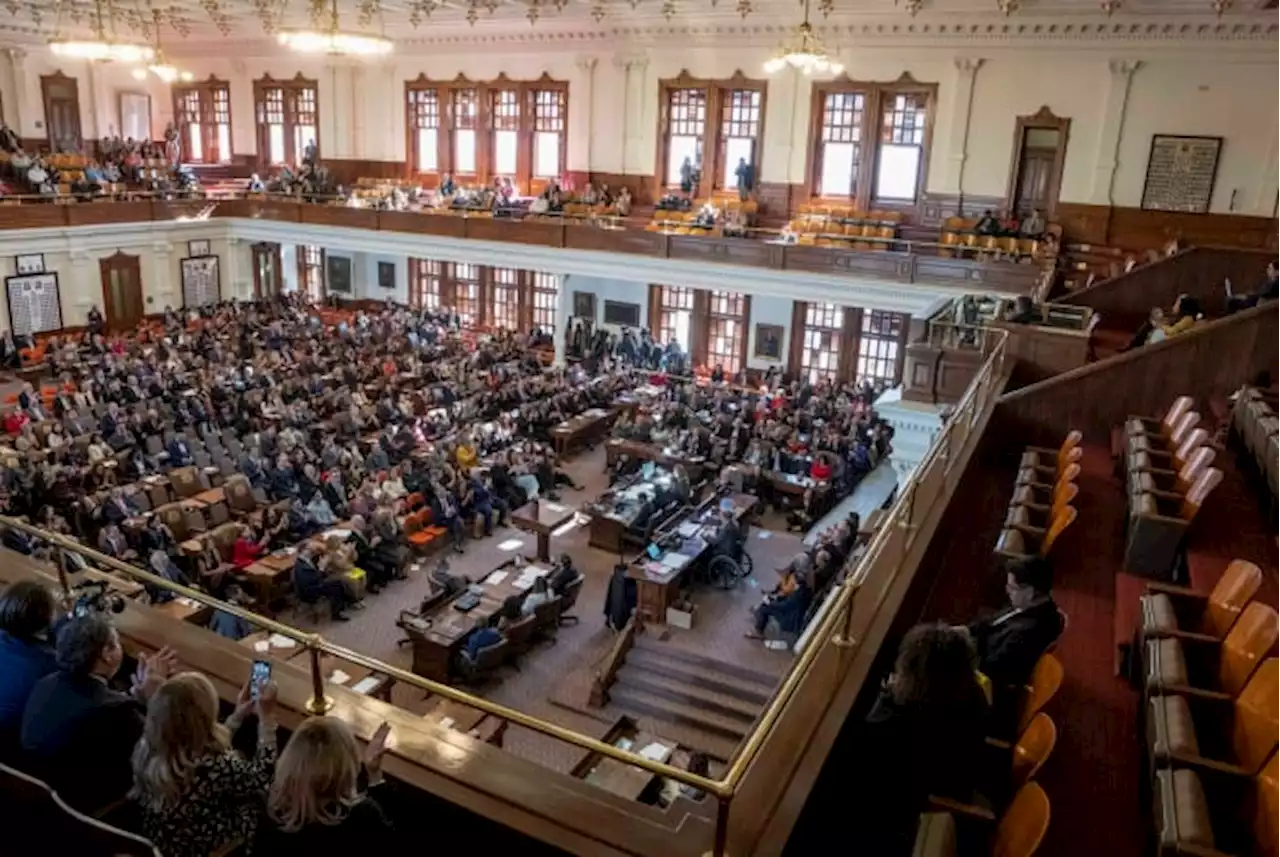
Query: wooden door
(1039, 155)
(1035, 180)
(267, 273)
(122, 292)
(61, 111)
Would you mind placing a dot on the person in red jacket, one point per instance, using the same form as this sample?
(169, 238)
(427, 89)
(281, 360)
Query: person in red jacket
(246, 550)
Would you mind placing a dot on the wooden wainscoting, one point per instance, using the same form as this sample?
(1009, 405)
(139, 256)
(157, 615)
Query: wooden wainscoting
(1212, 360)
(1125, 301)
(937, 207)
(641, 186)
(347, 170)
(1136, 229)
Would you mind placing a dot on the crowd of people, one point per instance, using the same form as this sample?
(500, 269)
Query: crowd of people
(195, 782)
(1187, 311)
(141, 165)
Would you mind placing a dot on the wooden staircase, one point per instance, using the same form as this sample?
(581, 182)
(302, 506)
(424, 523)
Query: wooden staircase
(702, 702)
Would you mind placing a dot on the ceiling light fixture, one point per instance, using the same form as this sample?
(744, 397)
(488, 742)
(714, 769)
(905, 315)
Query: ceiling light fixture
(804, 52)
(100, 47)
(334, 41)
(160, 66)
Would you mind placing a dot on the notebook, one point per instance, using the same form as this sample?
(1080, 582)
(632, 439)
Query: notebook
(653, 551)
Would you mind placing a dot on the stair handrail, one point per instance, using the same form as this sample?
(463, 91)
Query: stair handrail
(607, 669)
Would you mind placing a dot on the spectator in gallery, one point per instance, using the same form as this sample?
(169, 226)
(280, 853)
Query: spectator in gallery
(1032, 225)
(746, 175)
(686, 176)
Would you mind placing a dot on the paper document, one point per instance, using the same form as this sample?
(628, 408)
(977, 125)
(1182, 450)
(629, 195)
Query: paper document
(495, 578)
(447, 722)
(339, 677)
(365, 685)
(656, 752)
(510, 545)
(187, 602)
(262, 646)
(687, 529)
(674, 560)
(280, 641)
(555, 507)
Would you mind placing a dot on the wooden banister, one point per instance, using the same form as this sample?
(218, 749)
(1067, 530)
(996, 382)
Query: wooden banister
(608, 668)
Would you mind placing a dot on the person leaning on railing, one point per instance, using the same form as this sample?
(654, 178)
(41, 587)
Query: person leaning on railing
(195, 793)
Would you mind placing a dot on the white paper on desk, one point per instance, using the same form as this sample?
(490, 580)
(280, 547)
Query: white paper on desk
(674, 560)
(262, 646)
(337, 534)
(555, 507)
(656, 752)
(366, 684)
(687, 529)
(187, 602)
(447, 722)
(496, 577)
(765, 534)
(280, 641)
(339, 677)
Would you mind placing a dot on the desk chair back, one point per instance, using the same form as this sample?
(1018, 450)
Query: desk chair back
(569, 597)
(1034, 746)
(1245, 646)
(1257, 717)
(1266, 822)
(1061, 521)
(546, 616)
(1180, 406)
(1196, 494)
(520, 633)
(1023, 825)
(1236, 588)
(44, 813)
(1046, 678)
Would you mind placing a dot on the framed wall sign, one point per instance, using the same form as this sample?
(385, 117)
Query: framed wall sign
(338, 269)
(387, 275)
(1181, 172)
(199, 247)
(620, 313)
(201, 281)
(34, 303)
(584, 305)
(135, 115)
(29, 263)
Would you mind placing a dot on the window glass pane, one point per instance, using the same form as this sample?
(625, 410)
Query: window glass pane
(681, 147)
(427, 150)
(464, 151)
(224, 142)
(837, 169)
(276, 144)
(195, 152)
(504, 152)
(546, 155)
(735, 148)
(899, 167)
(303, 135)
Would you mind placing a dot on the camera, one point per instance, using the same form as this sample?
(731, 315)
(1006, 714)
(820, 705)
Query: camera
(92, 597)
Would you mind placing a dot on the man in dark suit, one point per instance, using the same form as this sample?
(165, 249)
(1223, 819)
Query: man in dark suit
(179, 452)
(75, 723)
(1010, 642)
(312, 585)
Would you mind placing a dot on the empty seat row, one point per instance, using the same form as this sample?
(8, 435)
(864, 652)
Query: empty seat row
(1041, 507)
(1254, 423)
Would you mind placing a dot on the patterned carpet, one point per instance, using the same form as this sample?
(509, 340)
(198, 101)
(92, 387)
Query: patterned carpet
(717, 633)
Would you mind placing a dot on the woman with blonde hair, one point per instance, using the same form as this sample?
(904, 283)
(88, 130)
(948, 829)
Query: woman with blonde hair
(316, 804)
(195, 793)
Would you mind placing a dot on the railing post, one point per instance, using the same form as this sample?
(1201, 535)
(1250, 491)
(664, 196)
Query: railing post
(719, 848)
(844, 639)
(318, 703)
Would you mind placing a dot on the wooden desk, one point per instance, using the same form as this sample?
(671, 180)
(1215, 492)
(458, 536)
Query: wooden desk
(615, 448)
(185, 610)
(607, 533)
(543, 518)
(627, 781)
(212, 496)
(463, 718)
(657, 584)
(585, 428)
(795, 486)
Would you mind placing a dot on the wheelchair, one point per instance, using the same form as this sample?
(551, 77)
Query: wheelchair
(726, 568)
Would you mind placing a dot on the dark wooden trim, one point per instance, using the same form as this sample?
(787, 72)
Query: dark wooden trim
(1044, 118)
(126, 264)
(59, 78)
(873, 118)
(795, 351)
(1138, 230)
(715, 91)
(291, 88)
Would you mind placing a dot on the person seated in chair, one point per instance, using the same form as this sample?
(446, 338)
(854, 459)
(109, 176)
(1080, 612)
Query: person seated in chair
(312, 585)
(484, 635)
(987, 224)
(563, 574)
(788, 602)
(539, 595)
(179, 452)
(1010, 642)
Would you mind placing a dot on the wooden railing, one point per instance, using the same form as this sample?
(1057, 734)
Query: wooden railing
(903, 261)
(1125, 301)
(1212, 359)
(607, 670)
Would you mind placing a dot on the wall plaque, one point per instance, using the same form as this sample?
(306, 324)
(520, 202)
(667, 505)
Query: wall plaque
(1180, 173)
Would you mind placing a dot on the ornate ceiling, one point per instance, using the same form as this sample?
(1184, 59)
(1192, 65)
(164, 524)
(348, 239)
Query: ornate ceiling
(247, 27)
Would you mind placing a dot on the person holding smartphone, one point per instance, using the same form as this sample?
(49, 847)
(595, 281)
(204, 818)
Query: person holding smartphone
(319, 802)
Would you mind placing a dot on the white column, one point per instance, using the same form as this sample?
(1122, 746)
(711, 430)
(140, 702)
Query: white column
(564, 311)
(359, 106)
(1262, 202)
(240, 268)
(95, 128)
(86, 289)
(158, 287)
(958, 133)
(581, 113)
(1109, 136)
(633, 139)
(20, 114)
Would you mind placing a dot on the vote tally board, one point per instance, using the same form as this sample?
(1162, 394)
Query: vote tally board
(201, 284)
(34, 303)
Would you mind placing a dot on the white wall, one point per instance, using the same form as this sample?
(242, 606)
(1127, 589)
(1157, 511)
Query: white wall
(1202, 89)
(766, 309)
(606, 289)
(366, 278)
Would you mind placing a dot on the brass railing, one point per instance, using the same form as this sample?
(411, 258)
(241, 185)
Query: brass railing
(837, 622)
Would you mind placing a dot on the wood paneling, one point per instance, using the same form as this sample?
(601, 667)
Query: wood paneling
(641, 186)
(937, 207)
(346, 171)
(1126, 300)
(340, 215)
(1212, 360)
(1139, 230)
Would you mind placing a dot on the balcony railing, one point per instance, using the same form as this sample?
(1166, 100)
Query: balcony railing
(896, 260)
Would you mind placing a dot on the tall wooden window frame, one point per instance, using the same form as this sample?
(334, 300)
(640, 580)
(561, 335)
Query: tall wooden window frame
(728, 319)
(535, 111)
(893, 117)
(311, 272)
(60, 95)
(467, 288)
(715, 113)
(667, 304)
(426, 281)
(822, 343)
(293, 107)
(504, 299)
(881, 349)
(544, 291)
(202, 113)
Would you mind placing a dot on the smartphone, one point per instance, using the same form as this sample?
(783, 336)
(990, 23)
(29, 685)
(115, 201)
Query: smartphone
(259, 676)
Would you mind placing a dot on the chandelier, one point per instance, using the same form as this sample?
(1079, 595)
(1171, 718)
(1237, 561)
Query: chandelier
(334, 41)
(159, 65)
(100, 47)
(804, 52)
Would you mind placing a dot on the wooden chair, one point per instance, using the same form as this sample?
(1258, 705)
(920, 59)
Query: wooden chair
(1176, 459)
(1034, 516)
(1018, 833)
(1018, 766)
(1170, 482)
(1209, 668)
(1175, 611)
(488, 659)
(45, 814)
(1159, 523)
(1036, 478)
(1023, 540)
(1164, 425)
(1040, 457)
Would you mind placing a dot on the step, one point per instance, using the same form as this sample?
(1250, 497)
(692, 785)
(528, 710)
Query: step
(700, 677)
(764, 681)
(639, 701)
(678, 690)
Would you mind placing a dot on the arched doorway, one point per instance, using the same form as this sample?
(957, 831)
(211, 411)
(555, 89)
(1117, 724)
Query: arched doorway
(268, 275)
(122, 291)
